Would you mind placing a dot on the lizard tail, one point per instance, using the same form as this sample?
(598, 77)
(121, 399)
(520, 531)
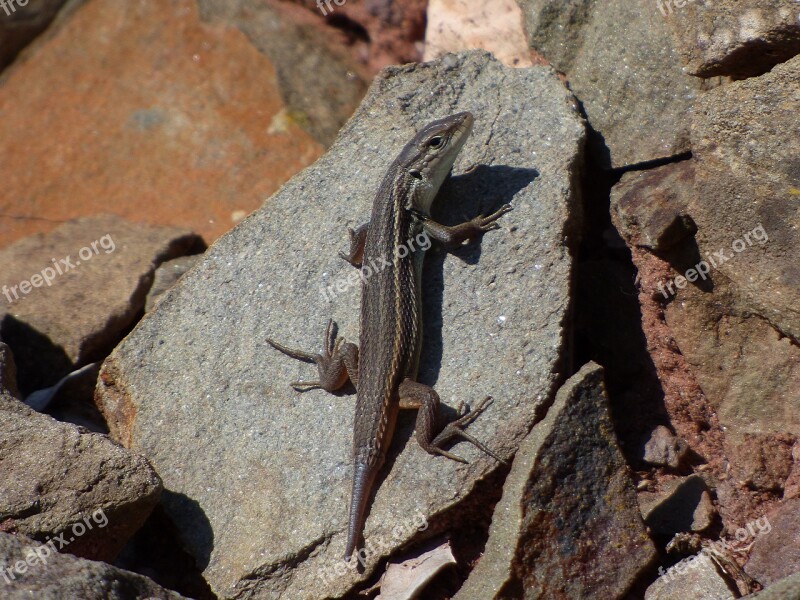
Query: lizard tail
(363, 477)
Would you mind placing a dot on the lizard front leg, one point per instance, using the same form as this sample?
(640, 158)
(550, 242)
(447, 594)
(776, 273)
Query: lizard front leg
(429, 434)
(358, 239)
(337, 364)
(452, 236)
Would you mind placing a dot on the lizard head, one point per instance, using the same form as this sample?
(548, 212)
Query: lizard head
(429, 157)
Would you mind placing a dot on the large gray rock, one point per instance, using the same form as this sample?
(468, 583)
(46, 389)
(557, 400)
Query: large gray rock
(70, 294)
(81, 489)
(28, 569)
(568, 525)
(259, 475)
(744, 137)
(739, 38)
(622, 65)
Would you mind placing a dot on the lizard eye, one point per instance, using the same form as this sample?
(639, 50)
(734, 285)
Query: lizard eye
(436, 141)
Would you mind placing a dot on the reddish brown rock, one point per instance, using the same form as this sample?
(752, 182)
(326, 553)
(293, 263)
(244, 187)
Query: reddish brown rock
(142, 110)
(68, 296)
(776, 552)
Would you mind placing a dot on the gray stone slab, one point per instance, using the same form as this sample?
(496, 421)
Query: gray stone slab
(258, 474)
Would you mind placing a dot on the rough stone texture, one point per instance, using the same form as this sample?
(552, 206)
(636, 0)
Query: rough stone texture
(86, 309)
(20, 24)
(568, 525)
(239, 449)
(695, 578)
(494, 25)
(57, 576)
(739, 38)
(760, 461)
(744, 139)
(785, 589)
(665, 448)
(56, 475)
(749, 405)
(166, 275)
(683, 505)
(319, 82)
(622, 65)
(658, 219)
(159, 118)
(776, 554)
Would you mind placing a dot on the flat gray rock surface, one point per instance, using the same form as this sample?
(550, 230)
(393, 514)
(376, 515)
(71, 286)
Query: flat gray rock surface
(258, 475)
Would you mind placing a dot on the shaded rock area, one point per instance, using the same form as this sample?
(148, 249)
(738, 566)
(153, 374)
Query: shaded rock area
(166, 276)
(153, 104)
(20, 23)
(234, 509)
(733, 37)
(747, 372)
(68, 296)
(80, 489)
(620, 60)
(683, 505)
(568, 525)
(28, 570)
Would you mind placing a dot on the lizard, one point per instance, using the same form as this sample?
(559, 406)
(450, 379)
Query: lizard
(383, 367)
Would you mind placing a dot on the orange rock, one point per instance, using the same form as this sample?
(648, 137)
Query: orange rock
(139, 109)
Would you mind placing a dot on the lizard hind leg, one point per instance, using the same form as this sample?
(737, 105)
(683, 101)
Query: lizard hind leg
(424, 398)
(337, 364)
